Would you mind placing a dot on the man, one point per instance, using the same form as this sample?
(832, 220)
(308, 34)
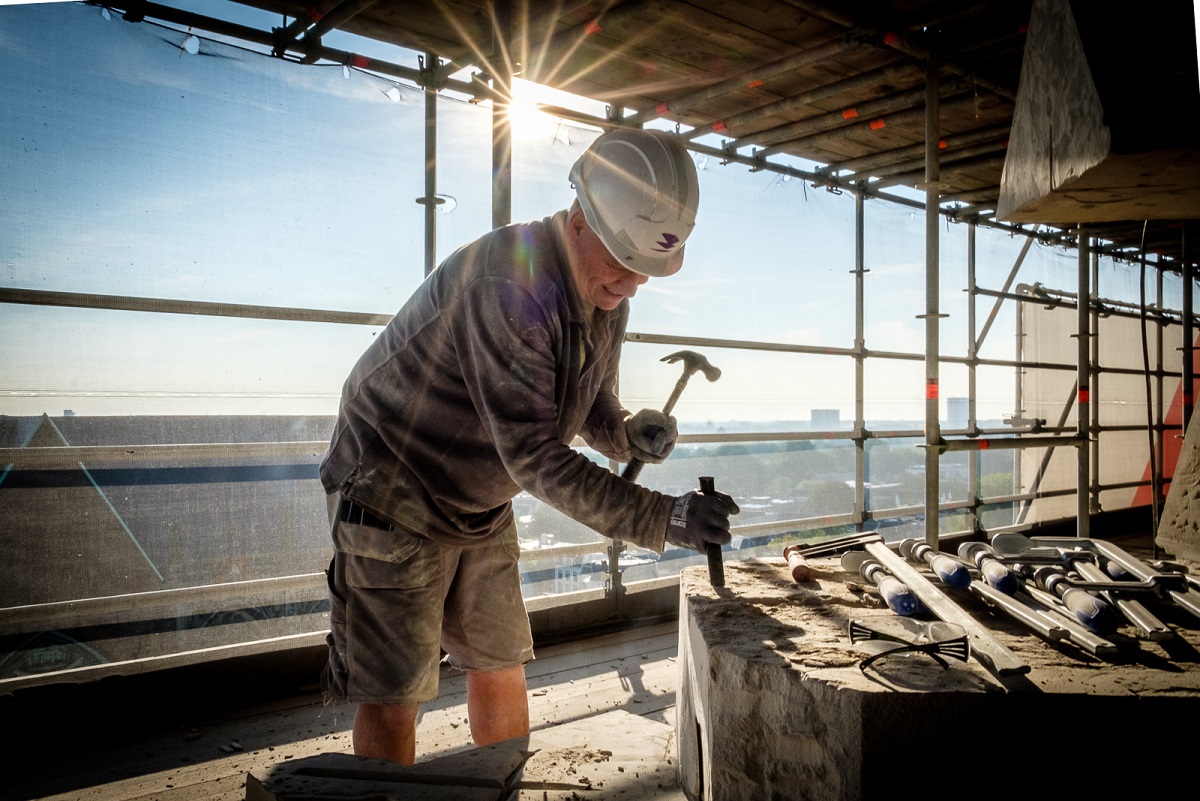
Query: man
(473, 392)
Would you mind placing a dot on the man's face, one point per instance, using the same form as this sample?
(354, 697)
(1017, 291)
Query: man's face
(602, 281)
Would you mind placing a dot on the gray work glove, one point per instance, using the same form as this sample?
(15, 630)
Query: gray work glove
(698, 519)
(652, 435)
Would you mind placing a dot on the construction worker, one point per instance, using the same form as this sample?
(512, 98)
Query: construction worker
(472, 393)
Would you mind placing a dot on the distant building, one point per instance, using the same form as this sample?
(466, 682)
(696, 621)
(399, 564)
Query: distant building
(826, 418)
(957, 412)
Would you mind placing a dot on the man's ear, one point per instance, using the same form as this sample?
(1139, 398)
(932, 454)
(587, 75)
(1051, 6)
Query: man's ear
(577, 221)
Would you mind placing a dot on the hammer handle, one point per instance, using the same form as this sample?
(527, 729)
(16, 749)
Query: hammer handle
(669, 406)
(632, 469)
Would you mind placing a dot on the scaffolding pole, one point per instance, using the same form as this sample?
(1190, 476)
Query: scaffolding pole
(1159, 409)
(862, 492)
(975, 463)
(501, 124)
(1083, 400)
(933, 432)
(1094, 347)
(1189, 336)
(429, 66)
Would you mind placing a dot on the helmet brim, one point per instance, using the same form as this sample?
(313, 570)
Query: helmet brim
(669, 264)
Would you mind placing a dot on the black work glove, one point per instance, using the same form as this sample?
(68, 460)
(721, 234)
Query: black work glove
(652, 435)
(698, 519)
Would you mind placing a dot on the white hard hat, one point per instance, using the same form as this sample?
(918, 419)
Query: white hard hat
(639, 194)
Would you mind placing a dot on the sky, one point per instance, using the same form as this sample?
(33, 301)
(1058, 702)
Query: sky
(130, 165)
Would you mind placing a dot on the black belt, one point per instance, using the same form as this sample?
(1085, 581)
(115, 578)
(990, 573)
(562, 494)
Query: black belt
(351, 512)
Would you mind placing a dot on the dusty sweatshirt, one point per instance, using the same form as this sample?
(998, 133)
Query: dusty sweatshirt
(475, 390)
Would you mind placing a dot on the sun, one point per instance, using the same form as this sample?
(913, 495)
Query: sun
(526, 119)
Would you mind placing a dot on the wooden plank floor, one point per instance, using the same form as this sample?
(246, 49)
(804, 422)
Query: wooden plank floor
(191, 759)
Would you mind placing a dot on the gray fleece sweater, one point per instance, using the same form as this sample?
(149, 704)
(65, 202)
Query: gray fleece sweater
(475, 390)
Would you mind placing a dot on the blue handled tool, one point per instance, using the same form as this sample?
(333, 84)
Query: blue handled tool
(895, 593)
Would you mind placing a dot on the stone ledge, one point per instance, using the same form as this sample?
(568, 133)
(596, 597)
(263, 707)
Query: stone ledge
(772, 702)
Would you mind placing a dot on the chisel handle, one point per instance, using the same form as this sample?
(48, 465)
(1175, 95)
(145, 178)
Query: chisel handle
(716, 567)
(899, 598)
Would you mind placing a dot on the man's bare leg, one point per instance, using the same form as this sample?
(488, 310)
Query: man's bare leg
(497, 704)
(388, 731)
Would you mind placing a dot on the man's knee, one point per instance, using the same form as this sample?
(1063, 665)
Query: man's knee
(507, 682)
(387, 731)
(390, 715)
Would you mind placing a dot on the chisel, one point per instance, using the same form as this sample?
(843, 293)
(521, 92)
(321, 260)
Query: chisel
(716, 568)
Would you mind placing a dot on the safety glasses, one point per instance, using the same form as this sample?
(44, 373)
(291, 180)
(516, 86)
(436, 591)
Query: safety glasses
(900, 635)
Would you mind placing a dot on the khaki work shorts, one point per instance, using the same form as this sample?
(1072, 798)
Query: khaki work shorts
(390, 620)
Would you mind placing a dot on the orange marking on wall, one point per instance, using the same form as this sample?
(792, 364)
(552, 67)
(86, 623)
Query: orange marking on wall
(1172, 440)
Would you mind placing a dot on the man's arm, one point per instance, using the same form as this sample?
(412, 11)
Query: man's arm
(505, 341)
(604, 429)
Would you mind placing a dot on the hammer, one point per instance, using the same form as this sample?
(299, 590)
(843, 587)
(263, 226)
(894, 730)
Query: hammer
(692, 362)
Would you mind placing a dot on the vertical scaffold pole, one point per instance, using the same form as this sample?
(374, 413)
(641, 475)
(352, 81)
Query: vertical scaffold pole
(933, 433)
(1083, 400)
(430, 201)
(976, 459)
(1094, 389)
(1189, 333)
(862, 499)
(1159, 410)
(501, 124)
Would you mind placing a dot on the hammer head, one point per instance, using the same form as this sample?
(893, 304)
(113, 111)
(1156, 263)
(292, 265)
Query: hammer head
(692, 362)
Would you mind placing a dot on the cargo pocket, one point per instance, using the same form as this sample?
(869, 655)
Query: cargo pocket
(405, 563)
(333, 676)
(393, 621)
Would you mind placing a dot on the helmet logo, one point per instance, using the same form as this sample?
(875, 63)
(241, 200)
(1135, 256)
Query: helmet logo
(667, 242)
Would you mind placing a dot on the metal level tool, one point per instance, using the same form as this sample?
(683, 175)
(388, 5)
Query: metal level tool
(844, 543)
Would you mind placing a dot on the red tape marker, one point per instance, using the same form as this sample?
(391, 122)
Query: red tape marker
(931, 390)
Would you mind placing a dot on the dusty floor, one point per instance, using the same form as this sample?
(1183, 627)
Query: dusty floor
(175, 742)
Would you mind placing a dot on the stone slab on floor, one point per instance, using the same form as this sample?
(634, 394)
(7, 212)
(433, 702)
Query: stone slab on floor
(609, 756)
(772, 703)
